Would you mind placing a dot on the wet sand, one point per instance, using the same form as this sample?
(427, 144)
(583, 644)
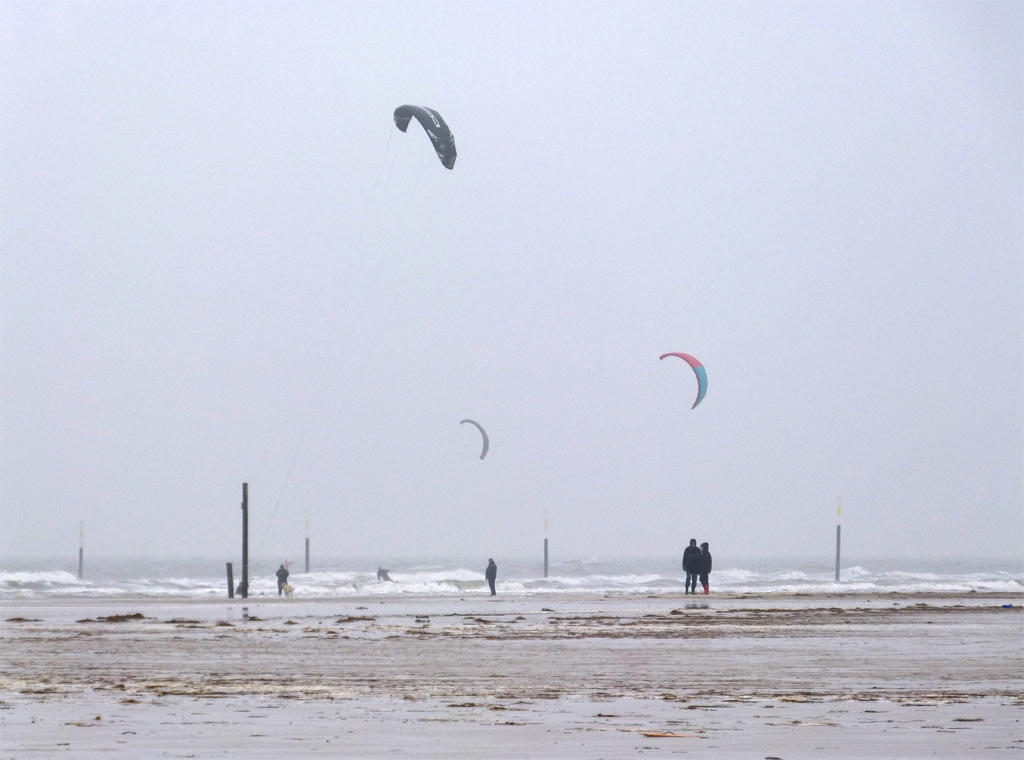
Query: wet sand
(534, 676)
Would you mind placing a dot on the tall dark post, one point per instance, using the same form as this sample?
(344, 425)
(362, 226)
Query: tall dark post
(245, 540)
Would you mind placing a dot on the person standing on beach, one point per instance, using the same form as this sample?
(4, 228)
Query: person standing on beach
(282, 578)
(691, 566)
(491, 574)
(705, 566)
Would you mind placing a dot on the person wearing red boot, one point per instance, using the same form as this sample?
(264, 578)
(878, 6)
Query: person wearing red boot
(705, 566)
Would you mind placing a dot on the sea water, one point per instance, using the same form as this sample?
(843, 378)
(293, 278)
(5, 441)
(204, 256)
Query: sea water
(22, 579)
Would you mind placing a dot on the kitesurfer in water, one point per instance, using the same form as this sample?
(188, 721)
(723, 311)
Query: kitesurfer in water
(705, 566)
(382, 574)
(691, 565)
(491, 574)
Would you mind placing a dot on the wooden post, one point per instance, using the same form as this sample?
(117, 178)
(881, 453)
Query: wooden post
(245, 540)
(231, 583)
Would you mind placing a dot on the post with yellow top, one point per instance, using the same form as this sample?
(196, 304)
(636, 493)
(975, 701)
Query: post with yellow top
(839, 514)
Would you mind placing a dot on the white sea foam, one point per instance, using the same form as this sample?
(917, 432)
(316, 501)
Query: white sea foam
(206, 578)
(41, 578)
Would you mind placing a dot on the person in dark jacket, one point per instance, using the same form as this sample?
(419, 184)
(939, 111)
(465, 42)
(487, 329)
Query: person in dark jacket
(491, 574)
(282, 578)
(705, 566)
(691, 566)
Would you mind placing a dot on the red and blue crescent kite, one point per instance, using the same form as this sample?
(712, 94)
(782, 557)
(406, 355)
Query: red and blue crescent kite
(699, 371)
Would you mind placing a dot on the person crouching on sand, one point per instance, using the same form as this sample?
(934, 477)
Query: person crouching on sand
(705, 566)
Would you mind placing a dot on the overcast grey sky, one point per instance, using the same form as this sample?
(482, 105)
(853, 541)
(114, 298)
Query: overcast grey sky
(222, 263)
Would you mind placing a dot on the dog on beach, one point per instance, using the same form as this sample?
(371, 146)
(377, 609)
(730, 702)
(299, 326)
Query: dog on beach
(287, 588)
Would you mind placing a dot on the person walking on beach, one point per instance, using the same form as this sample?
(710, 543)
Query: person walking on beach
(705, 566)
(282, 578)
(491, 574)
(691, 565)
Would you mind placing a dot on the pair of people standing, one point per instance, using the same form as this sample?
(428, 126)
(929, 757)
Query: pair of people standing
(697, 565)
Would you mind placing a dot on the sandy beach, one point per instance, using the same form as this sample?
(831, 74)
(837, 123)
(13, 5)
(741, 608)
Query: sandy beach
(559, 675)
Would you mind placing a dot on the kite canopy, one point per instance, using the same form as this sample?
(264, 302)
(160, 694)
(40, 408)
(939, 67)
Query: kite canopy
(436, 129)
(487, 443)
(699, 371)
